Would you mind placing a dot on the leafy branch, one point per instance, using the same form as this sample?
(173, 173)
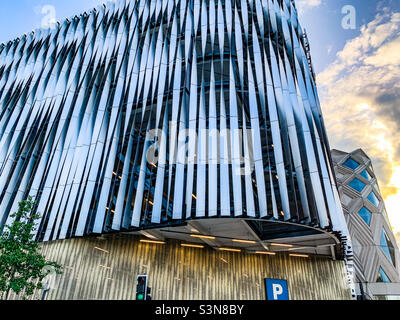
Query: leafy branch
(22, 266)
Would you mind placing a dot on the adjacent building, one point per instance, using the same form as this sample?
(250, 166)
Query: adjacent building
(376, 255)
(182, 139)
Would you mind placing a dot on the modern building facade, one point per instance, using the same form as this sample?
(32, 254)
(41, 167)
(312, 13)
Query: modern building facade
(376, 255)
(192, 120)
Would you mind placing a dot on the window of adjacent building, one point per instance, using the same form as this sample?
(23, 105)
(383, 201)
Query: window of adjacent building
(357, 185)
(382, 276)
(366, 175)
(366, 215)
(387, 246)
(373, 199)
(351, 164)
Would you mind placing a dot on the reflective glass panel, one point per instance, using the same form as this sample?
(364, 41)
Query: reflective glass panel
(382, 276)
(366, 175)
(357, 185)
(373, 199)
(365, 214)
(351, 164)
(387, 246)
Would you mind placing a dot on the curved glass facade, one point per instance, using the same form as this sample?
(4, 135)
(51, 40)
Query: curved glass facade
(151, 113)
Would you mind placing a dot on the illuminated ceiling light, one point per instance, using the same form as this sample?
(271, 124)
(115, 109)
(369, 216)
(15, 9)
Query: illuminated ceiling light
(148, 235)
(281, 245)
(194, 196)
(155, 166)
(282, 213)
(112, 211)
(266, 252)
(188, 245)
(152, 241)
(107, 208)
(299, 255)
(105, 267)
(223, 260)
(230, 249)
(301, 248)
(202, 237)
(114, 173)
(244, 241)
(194, 230)
(100, 249)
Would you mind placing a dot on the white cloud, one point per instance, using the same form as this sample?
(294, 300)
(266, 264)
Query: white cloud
(308, 3)
(387, 54)
(360, 96)
(304, 5)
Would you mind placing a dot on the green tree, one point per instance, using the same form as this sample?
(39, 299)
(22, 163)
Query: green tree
(22, 266)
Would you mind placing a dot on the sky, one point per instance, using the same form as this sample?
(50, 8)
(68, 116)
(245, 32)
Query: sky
(358, 79)
(355, 48)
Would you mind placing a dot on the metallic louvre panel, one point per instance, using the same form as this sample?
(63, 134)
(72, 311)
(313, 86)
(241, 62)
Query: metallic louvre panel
(146, 113)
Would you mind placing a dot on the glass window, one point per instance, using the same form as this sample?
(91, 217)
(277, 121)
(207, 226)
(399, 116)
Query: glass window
(357, 185)
(365, 214)
(382, 276)
(366, 175)
(373, 199)
(387, 246)
(351, 164)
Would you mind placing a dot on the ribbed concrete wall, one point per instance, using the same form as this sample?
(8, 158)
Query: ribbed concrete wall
(185, 273)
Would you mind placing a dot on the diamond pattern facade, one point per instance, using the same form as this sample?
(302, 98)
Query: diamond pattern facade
(376, 254)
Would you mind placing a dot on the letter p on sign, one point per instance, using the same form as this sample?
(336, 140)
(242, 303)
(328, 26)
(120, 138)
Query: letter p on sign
(276, 289)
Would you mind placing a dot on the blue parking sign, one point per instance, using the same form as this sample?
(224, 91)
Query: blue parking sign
(276, 289)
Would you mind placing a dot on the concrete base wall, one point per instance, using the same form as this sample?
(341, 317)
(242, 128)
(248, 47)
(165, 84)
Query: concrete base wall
(107, 269)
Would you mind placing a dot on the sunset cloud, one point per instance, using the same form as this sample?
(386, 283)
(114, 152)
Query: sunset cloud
(360, 96)
(397, 236)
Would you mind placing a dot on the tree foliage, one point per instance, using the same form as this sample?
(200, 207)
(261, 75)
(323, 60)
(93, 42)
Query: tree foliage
(22, 266)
